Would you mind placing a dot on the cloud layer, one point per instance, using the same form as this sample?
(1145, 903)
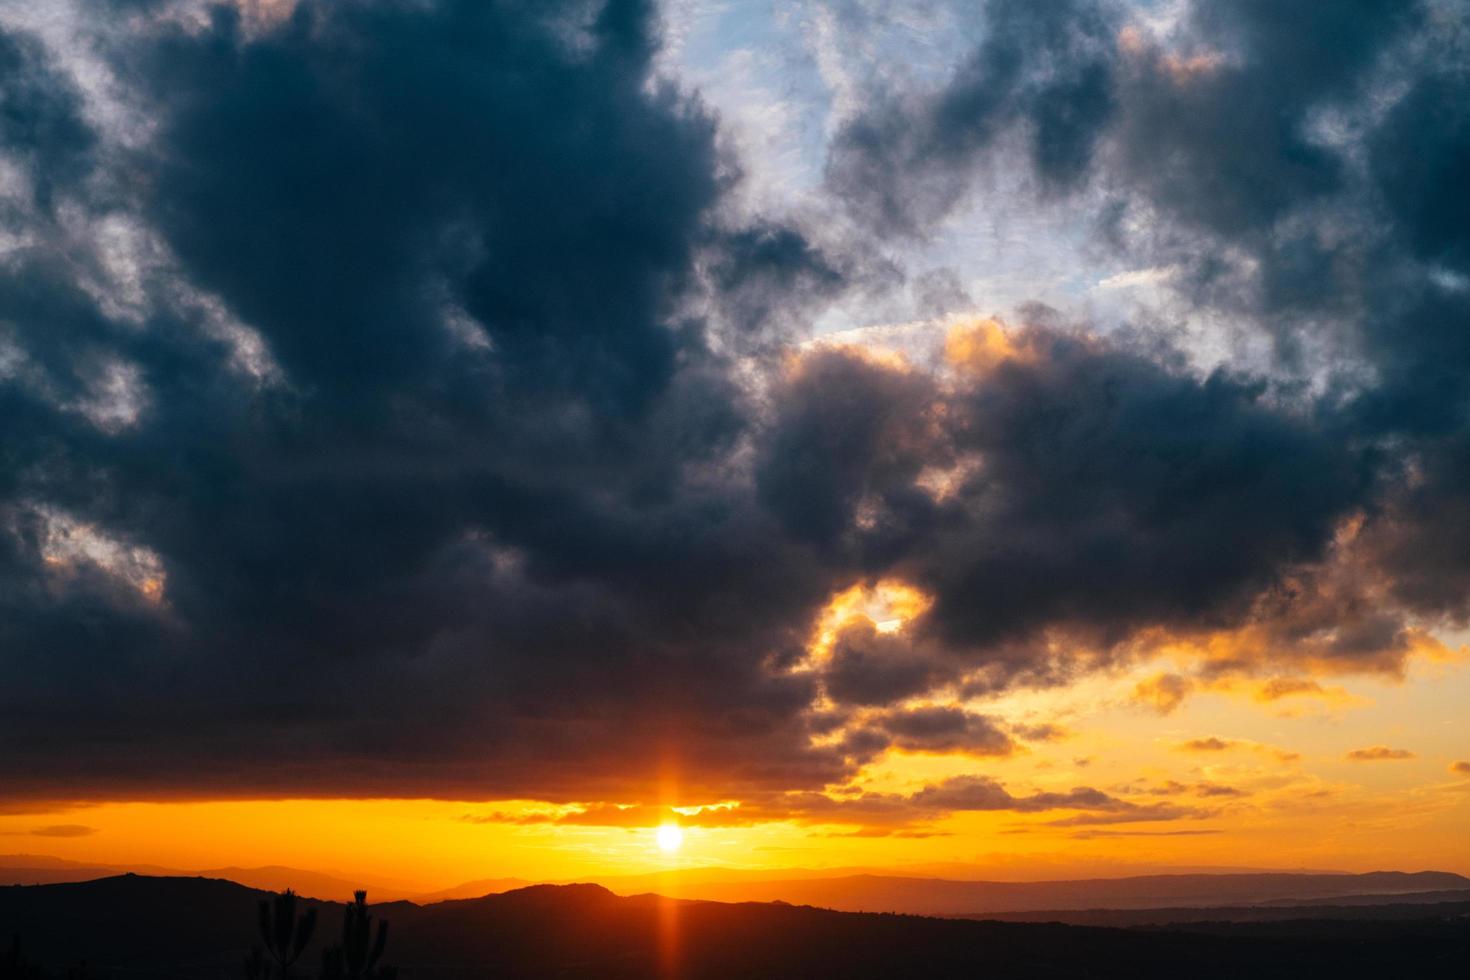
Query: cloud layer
(406, 410)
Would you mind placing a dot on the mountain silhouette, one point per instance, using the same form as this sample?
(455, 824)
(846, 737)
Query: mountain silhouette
(35, 869)
(145, 927)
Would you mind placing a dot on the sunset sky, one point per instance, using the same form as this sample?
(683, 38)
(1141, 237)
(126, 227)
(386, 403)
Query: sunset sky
(445, 440)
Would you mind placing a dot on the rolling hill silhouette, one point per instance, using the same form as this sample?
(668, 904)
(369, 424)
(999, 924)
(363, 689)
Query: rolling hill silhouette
(35, 869)
(145, 927)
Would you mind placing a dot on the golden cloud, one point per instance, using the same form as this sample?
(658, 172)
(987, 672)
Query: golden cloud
(1378, 753)
(1163, 692)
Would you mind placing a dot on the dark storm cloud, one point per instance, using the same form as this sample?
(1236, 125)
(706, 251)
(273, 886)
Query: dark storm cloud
(1217, 133)
(1420, 154)
(40, 118)
(495, 510)
(1114, 491)
(553, 200)
(848, 439)
(946, 729)
(477, 536)
(771, 275)
(868, 667)
(1415, 325)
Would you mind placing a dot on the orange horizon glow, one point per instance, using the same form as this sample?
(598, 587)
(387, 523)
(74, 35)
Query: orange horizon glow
(1311, 771)
(1370, 775)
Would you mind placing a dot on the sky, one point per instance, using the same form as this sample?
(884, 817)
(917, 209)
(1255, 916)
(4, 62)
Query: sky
(443, 440)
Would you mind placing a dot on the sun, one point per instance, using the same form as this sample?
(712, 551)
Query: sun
(670, 838)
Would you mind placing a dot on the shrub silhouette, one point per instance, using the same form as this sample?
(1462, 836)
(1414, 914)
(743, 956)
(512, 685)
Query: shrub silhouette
(284, 935)
(357, 956)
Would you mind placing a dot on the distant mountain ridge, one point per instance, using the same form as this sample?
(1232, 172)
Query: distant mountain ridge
(861, 892)
(478, 888)
(938, 896)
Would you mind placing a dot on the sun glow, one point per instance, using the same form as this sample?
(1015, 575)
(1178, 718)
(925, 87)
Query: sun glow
(670, 838)
(887, 605)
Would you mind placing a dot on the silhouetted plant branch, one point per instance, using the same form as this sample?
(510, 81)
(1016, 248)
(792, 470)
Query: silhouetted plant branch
(285, 937)
(357, 956)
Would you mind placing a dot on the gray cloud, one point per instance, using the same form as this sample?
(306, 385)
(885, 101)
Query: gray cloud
(1042, 69)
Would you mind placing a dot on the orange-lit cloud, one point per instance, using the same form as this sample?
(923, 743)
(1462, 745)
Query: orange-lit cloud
(624, 815)
(884, 606)
(1379, 753)
(1163, 692)
(1143, 50)
(1281, 687)
(1210, 744)
(1213, 743)
(1172, 787)
(982, 345)
(1332, 617)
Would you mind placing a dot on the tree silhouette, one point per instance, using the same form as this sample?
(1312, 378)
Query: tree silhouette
(357, 956)
(284, 935)
(13, 965)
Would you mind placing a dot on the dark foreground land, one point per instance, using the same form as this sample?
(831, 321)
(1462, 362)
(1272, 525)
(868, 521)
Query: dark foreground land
(142, 927)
